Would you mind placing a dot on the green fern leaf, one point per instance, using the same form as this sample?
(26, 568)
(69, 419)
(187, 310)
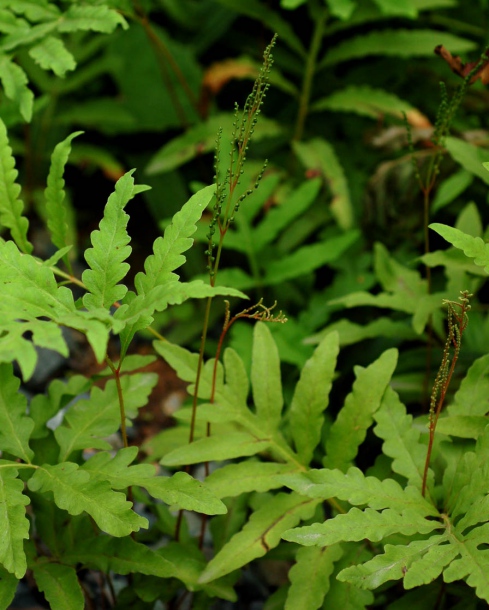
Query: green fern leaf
(137, 311)
(60, 585)
(473, 247)
(311, 397)
(310, 577)
(11, 206)
(14, 81)
(13, 522)
(349, 430)
(397, 43)
(28, 35)
(430, 566)
(247, 476)
(473, 565)
(262, 533)
(75, 492)
(15, 426)
(356, 525)
(45, 406)
(51, 54)
(95, 18)
(56, 212)
(116, 470)
(218, 448)
(8, 587)
(472, 398)
(319, 154)
(88, 422)
(110, 249)
(393, 564)
(122, 556)
(34, 10)
(265, 378)
(401, 438)
(308, 258)
(357, 489)
(167, 250)
(184, 492)
(343, 594)
(363, 100)
(470, 157)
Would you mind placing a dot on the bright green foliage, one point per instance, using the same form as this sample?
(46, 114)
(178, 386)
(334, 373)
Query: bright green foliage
(56, 211)
(401, 438)
(89, 421)
(354, 487)
(357, 525)
(246, 476)
(473, 247)
(310, 577)
(110, 249)
(265, 378)
(8, 586)
(311, 397)
(51, 54)
(13, 521)
(14, 81)
(403, 290)
(11, 206)
(364, 100)
(349, 430)
(60, 585)
(398, 43)
(15, 426)
(75, 492)
(262, 533)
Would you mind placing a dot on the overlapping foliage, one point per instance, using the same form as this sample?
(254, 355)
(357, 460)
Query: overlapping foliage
(316, 454)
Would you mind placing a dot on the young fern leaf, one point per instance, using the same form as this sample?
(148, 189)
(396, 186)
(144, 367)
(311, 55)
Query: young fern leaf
(167, 250)
(310, 577)
(350, 428)
(52, 54)
(311, 397)
(13, 522)
(54, 193)
(180, 490)
(472, 247)
(30, 291)
(14, 81)
(15, 426)
(261, 533)
(88, 422)
(357, 489)
(110, 249)
(11, 206)
(358, 524)
(401, 438)
(265, 378)
(96, 18)
(75, 492)
(60, 585)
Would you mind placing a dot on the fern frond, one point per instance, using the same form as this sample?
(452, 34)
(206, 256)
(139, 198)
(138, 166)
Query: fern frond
(75, 492)
(15, 426)
(88, 422)
(51, 54)
(110, 249)
(56, 212)
(167, 250)
(11, 207)
(14, 81)
(13, 522)
(358, 524)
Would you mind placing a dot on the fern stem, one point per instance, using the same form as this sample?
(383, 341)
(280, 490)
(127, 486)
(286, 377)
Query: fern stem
(117, 376)
(309, 72)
